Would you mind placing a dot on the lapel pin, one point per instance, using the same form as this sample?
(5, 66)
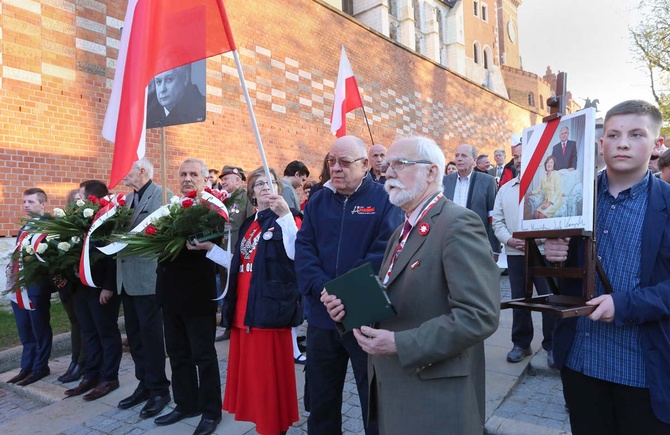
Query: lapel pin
(414, 265)
(268, 234)
(424, 229)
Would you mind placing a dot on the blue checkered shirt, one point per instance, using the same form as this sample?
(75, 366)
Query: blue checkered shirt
(604, 350)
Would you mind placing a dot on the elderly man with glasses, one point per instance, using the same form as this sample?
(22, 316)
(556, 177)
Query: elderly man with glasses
(427, 364)
(347, 223)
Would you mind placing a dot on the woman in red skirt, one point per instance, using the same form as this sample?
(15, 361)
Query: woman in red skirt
(263, 304)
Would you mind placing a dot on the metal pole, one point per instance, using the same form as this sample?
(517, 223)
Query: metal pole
(163, 166)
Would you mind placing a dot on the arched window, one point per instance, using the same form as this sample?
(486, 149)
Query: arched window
(531, 99)
(488, 57)
(476, 52)
(541, 102)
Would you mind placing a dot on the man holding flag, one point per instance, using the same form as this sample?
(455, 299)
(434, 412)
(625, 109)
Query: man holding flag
(32, 307)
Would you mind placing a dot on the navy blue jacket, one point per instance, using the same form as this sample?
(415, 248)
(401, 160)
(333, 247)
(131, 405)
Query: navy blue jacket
(338, 234)
(649, 308)
(274, 300)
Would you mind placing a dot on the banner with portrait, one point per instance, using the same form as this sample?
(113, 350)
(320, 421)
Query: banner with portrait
(558, 173)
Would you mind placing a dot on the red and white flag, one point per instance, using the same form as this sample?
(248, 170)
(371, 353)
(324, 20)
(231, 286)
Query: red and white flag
(347, 97)
(158, 35)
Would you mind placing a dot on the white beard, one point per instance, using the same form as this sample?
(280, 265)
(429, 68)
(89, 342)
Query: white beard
(401, 195)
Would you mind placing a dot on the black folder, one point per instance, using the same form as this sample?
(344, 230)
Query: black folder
(363, 296)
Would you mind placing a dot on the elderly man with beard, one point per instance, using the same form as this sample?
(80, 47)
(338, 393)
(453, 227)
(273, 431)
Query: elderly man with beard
(185, 290)
(426, 365)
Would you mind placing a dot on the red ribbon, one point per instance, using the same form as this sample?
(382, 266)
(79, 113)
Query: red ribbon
(535, 161)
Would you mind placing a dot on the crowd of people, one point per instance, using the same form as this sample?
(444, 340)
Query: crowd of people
(433, 230)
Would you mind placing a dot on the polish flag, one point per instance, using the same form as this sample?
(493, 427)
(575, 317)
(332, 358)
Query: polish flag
(157, 35)
(347, 97)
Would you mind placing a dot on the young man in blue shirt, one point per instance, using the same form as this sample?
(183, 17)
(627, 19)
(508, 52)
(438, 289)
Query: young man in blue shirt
(615, 363)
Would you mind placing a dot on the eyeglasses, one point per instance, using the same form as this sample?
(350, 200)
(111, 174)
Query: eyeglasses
(261, 184)
(399, 164)
(341, 162)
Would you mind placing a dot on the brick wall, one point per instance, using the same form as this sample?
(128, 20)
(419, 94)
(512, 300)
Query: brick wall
(57, 61)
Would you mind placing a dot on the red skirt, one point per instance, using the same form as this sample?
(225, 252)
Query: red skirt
(260, 382)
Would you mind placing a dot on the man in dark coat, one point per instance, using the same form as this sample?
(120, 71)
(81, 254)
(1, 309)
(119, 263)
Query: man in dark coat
(176, 100)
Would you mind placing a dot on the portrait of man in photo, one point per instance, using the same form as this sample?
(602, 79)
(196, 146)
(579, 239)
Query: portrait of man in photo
(174, 99)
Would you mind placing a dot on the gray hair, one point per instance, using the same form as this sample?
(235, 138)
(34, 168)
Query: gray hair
(201, 162)
(427, 149)
(500, 150)
(473, 151)
(145, 164)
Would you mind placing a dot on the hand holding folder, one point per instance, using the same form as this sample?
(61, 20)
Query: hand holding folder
(363, 296)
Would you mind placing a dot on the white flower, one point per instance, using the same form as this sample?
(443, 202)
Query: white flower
(174, 200)
(41, 248)
(64, 246)
(75, 240)
(59, 212)
(87, 212)
(80, 203)
(29, 250)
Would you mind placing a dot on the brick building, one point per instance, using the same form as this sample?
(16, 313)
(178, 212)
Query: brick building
(58, 57)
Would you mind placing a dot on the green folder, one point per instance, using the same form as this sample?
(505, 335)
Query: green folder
(363, 296)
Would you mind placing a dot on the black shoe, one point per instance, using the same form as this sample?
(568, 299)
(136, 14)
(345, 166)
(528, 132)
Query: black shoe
(24, 373)
(518, 353)
(207, 426)
(154, 406)
(67, 373)
(174, 417)
(139, 395)
(35, 376)
(73, 373)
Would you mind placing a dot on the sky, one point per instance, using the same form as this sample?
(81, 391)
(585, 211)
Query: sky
(590, 41)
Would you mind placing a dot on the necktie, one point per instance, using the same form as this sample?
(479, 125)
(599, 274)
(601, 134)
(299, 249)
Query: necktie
(563, 148)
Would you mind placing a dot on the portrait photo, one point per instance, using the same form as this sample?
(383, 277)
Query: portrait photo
(177, 96)
(558, 173)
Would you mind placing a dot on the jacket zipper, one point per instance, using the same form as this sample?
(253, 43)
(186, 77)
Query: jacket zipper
(339, 241)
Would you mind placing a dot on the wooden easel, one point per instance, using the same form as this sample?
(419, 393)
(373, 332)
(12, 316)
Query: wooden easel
(561, 305)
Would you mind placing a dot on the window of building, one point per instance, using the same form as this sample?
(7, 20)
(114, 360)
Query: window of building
(476, 55)
(531, 99)
(541, 102)
(393, 8)
(486, 59)
(348, 7)
(485, 12)
(476, 8)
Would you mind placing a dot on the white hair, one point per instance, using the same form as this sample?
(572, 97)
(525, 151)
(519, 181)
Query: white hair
(145, 164)
(427, 149)
(201, 162)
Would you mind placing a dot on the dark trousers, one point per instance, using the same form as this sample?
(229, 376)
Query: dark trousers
(102, 339)
(522, 321)
(599, 407)
(34, 327)
(144, 327)
(327, 356)
(196, 383)
(76, 336)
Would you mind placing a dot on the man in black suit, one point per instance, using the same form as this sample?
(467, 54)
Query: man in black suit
(33, 325)
(185, 290)
(565, 152)
(176, 100)
(136, 284)
(473, 190)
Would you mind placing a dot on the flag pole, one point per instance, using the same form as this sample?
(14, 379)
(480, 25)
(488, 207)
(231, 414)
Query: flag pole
(372, 141)
(240, 73)
(163, 166)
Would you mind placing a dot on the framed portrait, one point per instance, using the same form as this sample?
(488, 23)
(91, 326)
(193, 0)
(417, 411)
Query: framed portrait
(177, 96)
(558, 174)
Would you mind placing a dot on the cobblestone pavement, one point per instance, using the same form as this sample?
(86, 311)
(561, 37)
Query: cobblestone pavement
(534, 406)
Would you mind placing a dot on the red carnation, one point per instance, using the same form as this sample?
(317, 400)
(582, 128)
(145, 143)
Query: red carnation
(104, 202)
(121, 202)
(150, 230)
(93, 199)
(192, 194)
(208, 190)
(187, 202)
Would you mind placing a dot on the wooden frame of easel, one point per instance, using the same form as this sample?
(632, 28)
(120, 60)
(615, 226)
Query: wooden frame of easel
(535, 266)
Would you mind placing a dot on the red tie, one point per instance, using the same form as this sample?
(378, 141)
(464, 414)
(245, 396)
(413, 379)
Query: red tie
(563, 148)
